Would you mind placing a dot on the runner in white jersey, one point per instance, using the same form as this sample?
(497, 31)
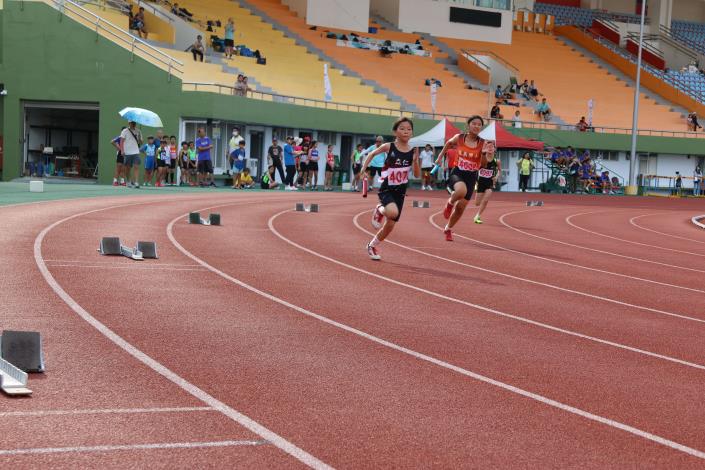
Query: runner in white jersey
(400, 159)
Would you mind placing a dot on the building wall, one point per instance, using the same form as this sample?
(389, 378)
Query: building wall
(352, 16)
(688, 10)
(430, 16)
(387, 9)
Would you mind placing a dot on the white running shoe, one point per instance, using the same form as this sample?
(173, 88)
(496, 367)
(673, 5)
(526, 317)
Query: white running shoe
(373, 253)
(377, 217)
(429, 188)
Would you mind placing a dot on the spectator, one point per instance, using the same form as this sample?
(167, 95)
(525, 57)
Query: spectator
(234, 143)
(182, 12)
(496, 112)
(606, 183)
(130, 143)
(137, 23)
(241, 87)
(524, 90)
(582, 125)
(697, 180)
(119, 161)
(184, 165)
(573, 174)
(533, 91)
(274, 160)
(330, 168)
(525, 164)
(289, 164)
(159, 138)
(302, 151)
(313, 165)
(376, 166)
(193, 163)
(268, 181)
(229, 38)
(174, 157)
(357, 165)
(544, 110)
(246, 181)
(434, 94)
(237, 164)
(516, 120)
(427, 158)
(163, 158)
(197, 48)
(205, 165)
(586, 174)
(693, 124)
(500, 94)
(679, 182)
(150, 151)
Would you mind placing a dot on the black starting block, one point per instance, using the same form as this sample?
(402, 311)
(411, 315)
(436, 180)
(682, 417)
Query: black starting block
(301, 207)
(422, 204)
(111, 246)
(195, 218)
(534, 203)
(23, 349)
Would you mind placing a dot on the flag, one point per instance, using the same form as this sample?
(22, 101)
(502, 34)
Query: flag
(328, 90)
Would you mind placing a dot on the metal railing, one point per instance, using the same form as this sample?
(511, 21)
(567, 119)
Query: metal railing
(601, 129)
(121, 37)
(511, 67)
(634, 37)
(666, 36)
(693, 46)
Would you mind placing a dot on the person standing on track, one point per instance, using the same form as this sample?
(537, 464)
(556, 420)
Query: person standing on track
(313, 158)
(274, 160)
(426, 167)
(356, 166)
(525, 165)
(400, 157)
(486, 182)
(119, 162)
(377, 164)
(289, 164)
(473, 154)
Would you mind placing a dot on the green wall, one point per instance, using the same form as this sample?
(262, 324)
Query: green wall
(70, 63)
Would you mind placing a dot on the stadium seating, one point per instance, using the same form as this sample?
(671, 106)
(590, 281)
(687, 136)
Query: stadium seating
(566, 15)
(693, 34)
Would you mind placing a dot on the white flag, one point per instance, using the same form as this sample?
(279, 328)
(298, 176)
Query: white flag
(328, 90)
(591, 105)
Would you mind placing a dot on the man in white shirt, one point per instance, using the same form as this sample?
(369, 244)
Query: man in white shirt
(234, 143)
(130, 143)
(516, 120)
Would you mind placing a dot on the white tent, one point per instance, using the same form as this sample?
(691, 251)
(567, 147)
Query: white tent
(437, 136)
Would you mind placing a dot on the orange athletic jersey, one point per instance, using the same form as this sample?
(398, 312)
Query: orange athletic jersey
(452, 156)
(469, 158)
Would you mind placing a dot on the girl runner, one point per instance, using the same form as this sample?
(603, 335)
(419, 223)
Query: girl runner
(357, 164)
(174, 155)
(473, 153)
(400, 158)
(184, 164)
(163, 159)
(487, 180)
(193, 163)
(330, 167)
(313, 166)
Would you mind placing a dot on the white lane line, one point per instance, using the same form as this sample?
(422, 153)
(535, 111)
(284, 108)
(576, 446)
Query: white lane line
(503, 222)
(112, 263)
(523, 279)
(278, 441)
(569, 221)
(135, 266)
(632, 221)
(184, 409)
(564, 263)
(159, 446)
(432, 360)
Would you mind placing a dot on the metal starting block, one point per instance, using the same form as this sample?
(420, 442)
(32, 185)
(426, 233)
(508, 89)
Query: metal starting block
(13, 381)
(111, 246)
(422, 204)
(195, 218)
(534, 203)
(301, 207)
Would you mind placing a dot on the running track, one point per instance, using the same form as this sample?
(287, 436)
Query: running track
(568, 335)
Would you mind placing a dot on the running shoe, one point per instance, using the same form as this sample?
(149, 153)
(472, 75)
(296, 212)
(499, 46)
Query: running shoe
(448, 234)
(122, 183)
(212, 184)
(115, 183)
(477, 219)
(448, 210)
(373, 253)
(377, 217)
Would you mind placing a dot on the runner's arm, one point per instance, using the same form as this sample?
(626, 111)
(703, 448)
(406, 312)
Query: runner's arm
(442, 154)
(381, 149)
(499, 172)
(415, 165)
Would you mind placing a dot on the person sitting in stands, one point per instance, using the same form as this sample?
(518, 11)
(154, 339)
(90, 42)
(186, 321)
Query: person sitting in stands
(582, 125)
(496, 112)
(504, 97)
(524, 90)
(533, 91)
(606, 183)
(197, 48)
(693, 124)
(544, 110)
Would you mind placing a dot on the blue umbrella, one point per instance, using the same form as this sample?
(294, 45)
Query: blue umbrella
(142, 116)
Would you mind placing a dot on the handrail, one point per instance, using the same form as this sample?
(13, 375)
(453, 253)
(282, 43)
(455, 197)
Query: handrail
(649, 47)
(665, 36)
(601, 129)
(687, 44)
(130, 41)
(495, 56)
(475, 60)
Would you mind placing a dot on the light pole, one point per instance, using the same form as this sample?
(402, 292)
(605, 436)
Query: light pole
(635, 120)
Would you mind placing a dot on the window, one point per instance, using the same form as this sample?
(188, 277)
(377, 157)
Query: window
(325, 137)
(608, 155)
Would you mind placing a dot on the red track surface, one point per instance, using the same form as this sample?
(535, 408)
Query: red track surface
(555, 336)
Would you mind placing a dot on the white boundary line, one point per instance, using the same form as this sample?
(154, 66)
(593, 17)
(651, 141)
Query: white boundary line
(527, 280)
(136, 267)
(572, 265)
(432, 360)
(184, 409)
(696, 220)
(278, 441)
(165, 445)
(501, 220)
(641, 227)
(569, 221)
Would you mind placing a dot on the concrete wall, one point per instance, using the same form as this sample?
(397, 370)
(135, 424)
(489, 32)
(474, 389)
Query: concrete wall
(387, 9)
(688, 10)
(617, 6)
(340, 14)
(299, 6)
(430, 16)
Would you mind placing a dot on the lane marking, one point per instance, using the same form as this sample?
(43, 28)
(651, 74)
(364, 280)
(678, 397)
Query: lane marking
(432, 360)
(568, 220)
(631, 221)
(527, 280)
(185, 409)
(108, 448)
(564, 263)
(248, 423)
(111, 263)
(136, 267)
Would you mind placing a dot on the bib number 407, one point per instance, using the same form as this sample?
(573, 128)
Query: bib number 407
(397, 176)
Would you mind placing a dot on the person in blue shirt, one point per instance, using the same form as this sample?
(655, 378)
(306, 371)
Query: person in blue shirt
(289, 164)
(237, 164)
(149, 150)
(377, 164)
(205, 165)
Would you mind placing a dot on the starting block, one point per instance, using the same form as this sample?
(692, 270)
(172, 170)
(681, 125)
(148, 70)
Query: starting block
(13, 381)
(300, 207)
(148, 250)
(23, 349)
(534, 203)
(111, 246)
(195, 218)
(422, 204)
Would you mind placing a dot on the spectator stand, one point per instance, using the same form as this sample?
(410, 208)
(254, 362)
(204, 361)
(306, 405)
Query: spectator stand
(362, 42)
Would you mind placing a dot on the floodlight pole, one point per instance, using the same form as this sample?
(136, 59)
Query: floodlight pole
(635, 120)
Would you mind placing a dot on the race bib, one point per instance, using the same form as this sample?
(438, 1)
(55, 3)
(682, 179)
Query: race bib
(466, 165)
(486, 173)
(397, 176)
